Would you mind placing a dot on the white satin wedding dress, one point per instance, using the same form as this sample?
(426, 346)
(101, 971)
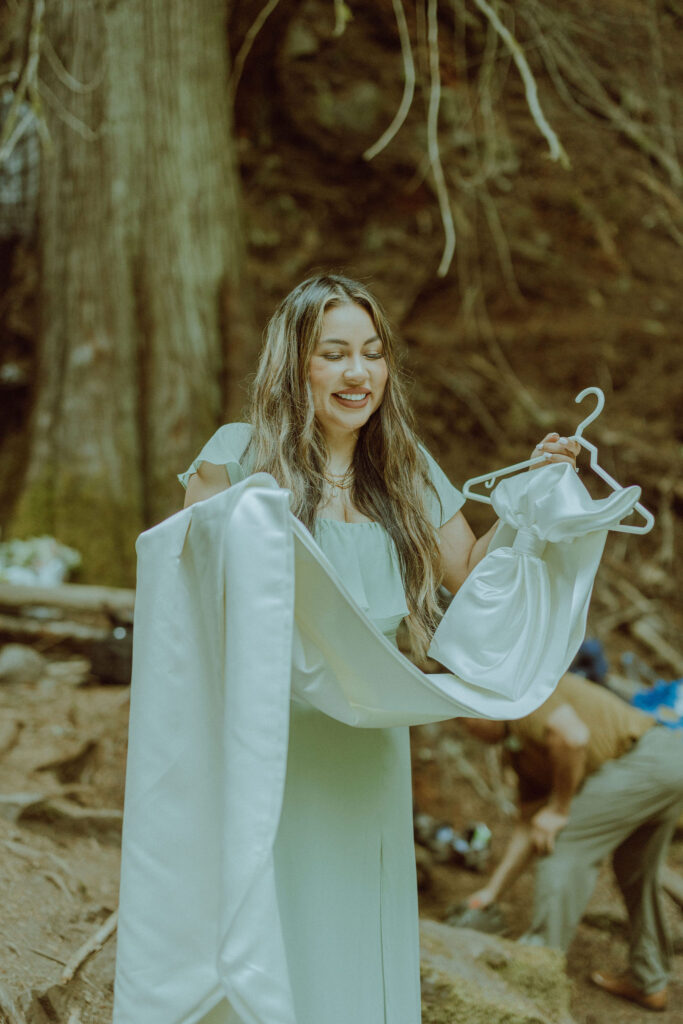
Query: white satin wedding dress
(268, 869)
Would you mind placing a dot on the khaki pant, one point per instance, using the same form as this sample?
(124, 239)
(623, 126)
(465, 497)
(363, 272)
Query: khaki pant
(629, 809)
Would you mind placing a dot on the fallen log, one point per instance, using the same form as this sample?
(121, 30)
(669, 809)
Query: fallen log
(115, 602)
(21, 628)
(109, 651)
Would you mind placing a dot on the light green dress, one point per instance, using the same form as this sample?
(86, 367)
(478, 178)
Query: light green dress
(344, 856)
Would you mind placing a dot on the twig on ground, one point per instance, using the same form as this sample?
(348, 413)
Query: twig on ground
(408, 85)
(59, 882)
(36, 856)
(90, 946)
(31, 852)
(47, 956)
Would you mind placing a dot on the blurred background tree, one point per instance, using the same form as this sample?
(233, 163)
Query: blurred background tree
(140, 255)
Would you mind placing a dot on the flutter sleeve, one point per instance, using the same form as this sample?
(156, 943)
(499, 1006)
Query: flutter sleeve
(225, 448)
(448, 500)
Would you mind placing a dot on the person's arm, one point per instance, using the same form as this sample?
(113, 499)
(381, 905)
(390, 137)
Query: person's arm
(209, 479)
(566, 740)
(461, 551)
(518, 853)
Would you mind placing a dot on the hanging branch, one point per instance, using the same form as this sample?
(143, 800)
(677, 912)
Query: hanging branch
(433, 139)
(247, 43)
(408, 84)
(666, 124)
(65, 115)
(64, 76)
(562, 57)
(557, 151)
(342, 15)
(27, 84)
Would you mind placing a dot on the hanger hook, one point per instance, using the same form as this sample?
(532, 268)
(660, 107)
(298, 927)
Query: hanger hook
(596, 411)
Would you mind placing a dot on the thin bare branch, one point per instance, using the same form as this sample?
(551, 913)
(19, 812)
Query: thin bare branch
(247, 43)
(80, 127)
(665, 119)
(28, 76)
(342, 16)
(20, 127)
(91, 945)
(433, 139)
(571, 62)
(67, 79)
(408, 84)
(501, 243)
(557, 151)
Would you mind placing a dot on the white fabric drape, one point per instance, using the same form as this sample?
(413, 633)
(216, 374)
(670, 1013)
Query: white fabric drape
(237, 612)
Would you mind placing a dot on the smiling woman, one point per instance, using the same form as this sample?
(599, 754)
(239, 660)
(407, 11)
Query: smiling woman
(347, 372)
(330, 422)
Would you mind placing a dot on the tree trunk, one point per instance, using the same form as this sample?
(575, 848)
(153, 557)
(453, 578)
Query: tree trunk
(140, 244)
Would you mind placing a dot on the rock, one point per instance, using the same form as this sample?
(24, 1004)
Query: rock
(471, 978)
(20, 664)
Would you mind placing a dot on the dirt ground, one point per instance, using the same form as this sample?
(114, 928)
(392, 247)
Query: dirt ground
(64, 741)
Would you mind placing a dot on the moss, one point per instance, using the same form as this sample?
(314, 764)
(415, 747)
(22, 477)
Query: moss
(84, 514)
(549, 987)
(459, 1001)
(470, 978)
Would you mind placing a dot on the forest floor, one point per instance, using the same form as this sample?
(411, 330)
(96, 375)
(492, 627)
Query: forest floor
(63, 766)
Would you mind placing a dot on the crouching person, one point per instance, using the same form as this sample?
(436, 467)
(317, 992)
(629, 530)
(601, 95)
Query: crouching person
(596, 778)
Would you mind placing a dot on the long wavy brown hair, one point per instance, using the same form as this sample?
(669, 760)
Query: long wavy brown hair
(390, 471)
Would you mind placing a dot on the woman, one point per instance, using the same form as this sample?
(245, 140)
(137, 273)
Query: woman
(329, 421)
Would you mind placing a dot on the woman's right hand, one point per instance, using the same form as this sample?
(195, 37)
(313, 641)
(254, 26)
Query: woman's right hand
(556, 449)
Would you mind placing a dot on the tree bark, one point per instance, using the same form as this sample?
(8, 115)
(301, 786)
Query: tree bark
(140, 242)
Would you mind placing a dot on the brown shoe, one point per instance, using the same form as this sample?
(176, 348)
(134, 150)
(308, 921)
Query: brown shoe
(621, 985)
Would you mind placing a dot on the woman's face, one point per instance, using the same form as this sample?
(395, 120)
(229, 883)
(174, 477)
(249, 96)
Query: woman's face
(348, 372)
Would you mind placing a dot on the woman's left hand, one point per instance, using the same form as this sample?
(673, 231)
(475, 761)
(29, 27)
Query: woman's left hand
(556, 449)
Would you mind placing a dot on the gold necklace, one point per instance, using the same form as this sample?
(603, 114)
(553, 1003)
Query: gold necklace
(342, 481)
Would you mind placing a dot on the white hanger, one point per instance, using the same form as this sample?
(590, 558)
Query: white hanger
(488, 479)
